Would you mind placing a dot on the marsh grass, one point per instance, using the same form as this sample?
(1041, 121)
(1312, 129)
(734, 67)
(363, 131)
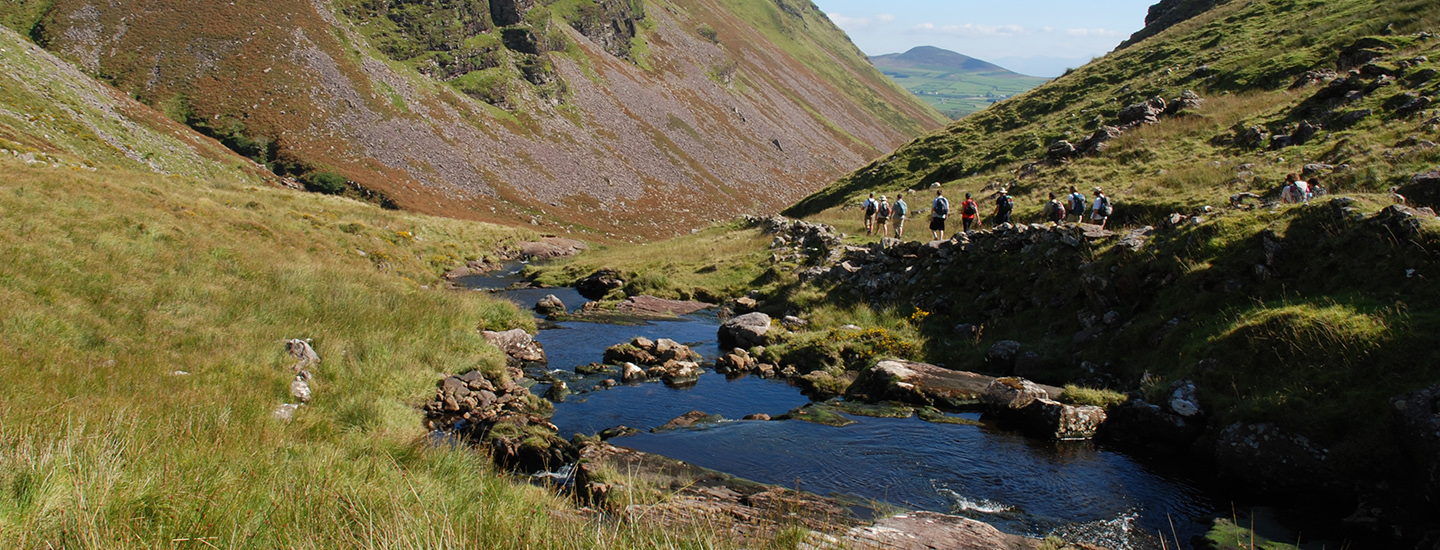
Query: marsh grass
(113, 281)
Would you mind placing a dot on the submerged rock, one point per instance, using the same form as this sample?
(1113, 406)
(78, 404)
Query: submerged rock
(689, 419)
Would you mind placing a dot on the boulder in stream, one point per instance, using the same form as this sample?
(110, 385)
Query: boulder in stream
(745, 331)
(517, 344)
(550, 305)
(630, 372)
(600, 283)
(925, 384)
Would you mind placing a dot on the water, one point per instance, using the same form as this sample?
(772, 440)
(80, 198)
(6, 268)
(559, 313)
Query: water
(1021, 485)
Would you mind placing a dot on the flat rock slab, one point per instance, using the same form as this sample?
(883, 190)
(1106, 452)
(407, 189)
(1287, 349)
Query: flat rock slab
(921, 531)
(551, 247)
(926, 384)
(650, 305)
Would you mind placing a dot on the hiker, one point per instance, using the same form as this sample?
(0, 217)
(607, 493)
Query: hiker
(1100, 212)
(1295, 190)
(870, 206)
(1302, 191)
(938, 211)
(1054, 210)
(969, 210)
(1077, 204)
(901, 210)
(1004, 205)
(882, 217)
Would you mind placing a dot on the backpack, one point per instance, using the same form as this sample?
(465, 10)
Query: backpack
(1077, 202)
(869, 206)
(884, 209)
(1006, 203)
(970, 209)
(1056, 211)
(942, 207)
(901, 209)
(1105, 206)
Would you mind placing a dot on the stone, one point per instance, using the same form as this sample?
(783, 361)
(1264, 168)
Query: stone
(967, 330)
(630, 372)
(1315, 169)
(549, 305)
(300, 389)
(1416, 420)
(1269, 458)
(792, 322)
(1061, 151)
(745, 331)
(518, 345)
(285, 412)
(1136, 422)
(550, 248)
(302, 352)
(746, 304)
(1142, 113)
(689, 419)
(1030, 365)
(631, 353)
(599, 284)
(924, 384)
(736, 361)
(1136, 238)
(1001, 356)
(921, 531)
(1012, 393)
(757, 416)
(558, 391)
(1352, 117)
(1054, 420)
(1184, 399)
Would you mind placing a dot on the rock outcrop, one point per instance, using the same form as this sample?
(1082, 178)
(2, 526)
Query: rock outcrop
(666, 359)
(1270, 458)
(660, 307)
(501, 416)
(599, 284)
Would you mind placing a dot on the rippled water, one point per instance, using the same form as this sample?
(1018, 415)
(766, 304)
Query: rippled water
(1019, 484)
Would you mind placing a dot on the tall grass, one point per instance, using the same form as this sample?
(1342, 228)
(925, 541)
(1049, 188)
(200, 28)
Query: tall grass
(114, 281)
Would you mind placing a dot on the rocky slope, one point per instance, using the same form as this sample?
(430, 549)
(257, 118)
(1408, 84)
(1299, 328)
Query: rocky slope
(615, 117)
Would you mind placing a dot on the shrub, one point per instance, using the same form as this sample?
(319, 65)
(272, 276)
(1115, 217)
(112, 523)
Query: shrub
(328, 183)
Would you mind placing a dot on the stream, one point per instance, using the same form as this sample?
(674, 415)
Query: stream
(1081, 490)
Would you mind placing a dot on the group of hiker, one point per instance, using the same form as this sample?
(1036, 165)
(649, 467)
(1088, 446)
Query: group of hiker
(879, 213)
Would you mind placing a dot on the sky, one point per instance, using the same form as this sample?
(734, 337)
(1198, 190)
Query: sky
(1034, 37)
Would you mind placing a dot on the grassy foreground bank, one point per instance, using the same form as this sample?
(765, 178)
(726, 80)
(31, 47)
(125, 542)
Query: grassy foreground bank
(114, 281)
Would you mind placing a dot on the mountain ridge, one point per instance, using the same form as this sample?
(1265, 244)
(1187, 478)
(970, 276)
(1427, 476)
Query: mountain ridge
(931, 57)
(529, 121)
(955, 84)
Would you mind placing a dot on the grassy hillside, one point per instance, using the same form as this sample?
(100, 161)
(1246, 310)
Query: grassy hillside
(954, 84)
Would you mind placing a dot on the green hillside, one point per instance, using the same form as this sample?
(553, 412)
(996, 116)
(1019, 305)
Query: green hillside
(953, 84)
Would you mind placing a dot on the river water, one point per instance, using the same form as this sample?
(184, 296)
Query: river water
(1083, 490)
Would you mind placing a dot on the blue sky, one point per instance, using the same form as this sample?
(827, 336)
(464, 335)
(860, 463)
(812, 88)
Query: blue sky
(1036, 37)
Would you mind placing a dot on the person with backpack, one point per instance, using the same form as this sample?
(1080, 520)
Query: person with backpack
(901, 210)
(1055, 210)
(1004, 205)
(969, 211)
(870, 206)
(1077, 204)
(882, 216)
(938, 211)
(1102, 209)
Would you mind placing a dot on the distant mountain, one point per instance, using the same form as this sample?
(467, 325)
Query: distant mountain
(930, 57)
(953, 83)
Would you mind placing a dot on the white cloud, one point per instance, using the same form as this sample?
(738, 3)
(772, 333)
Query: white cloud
(972, 30)
(856, 23)
(1093, 32)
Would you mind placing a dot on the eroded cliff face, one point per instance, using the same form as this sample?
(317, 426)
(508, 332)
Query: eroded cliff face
(610, 117)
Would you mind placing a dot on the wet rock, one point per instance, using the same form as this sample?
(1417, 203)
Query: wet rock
(745, 331)
(1012, 393)
(648, 352)
(630, 372)
(676, 373)
(549, 305)
(1139, 423)
(757, 416)
(737, 361)
(1272, 459)
(1055, 420)
(599, 284)
(1001, 356)
(617, 431)
(689, 419)
(924, 384)
(921, 531)
(518, 345)
(558, 391)
(1416, 417)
